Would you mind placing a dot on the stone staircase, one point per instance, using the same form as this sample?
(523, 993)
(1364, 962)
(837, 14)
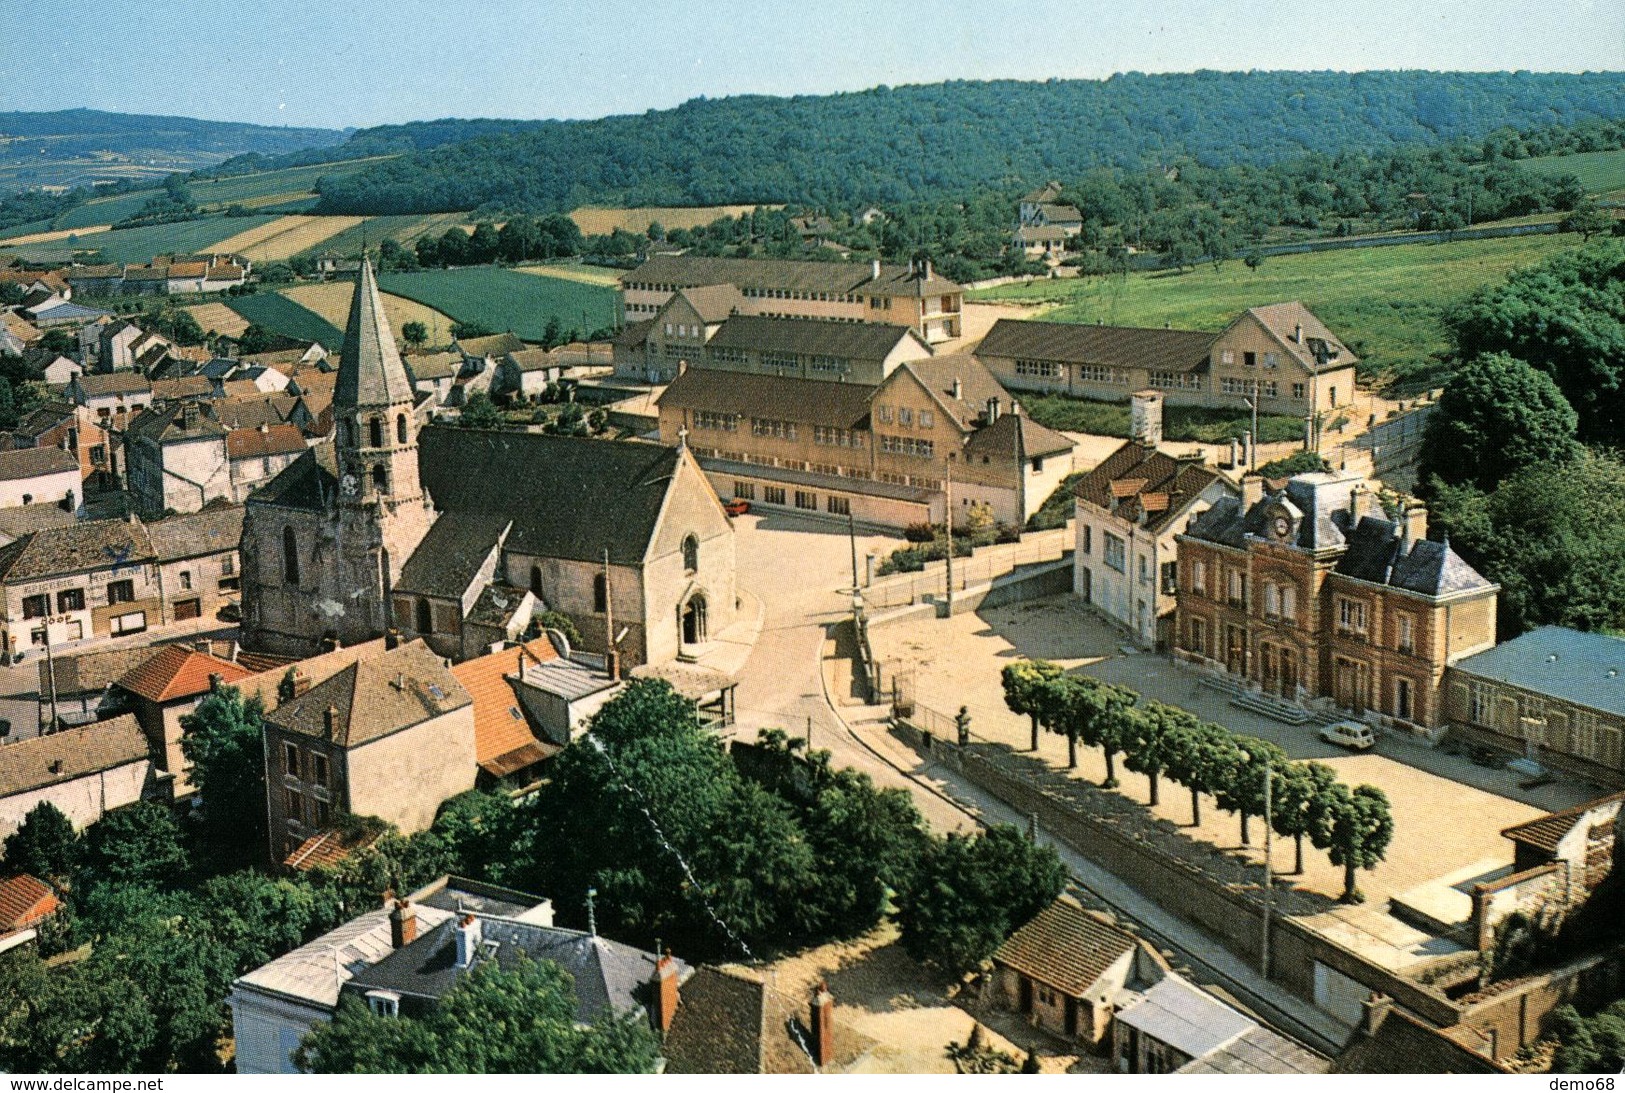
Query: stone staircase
(1266, 705)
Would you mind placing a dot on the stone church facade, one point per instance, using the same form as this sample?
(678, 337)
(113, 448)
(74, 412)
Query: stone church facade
(356, 539)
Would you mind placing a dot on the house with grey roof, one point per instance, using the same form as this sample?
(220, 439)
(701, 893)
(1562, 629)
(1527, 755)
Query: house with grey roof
(30, 475)
(1554, 693)
(276, 1004)
(1175, 1027)
(83, 772)
(1311, 594)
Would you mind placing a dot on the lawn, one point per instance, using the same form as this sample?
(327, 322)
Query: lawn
(1385, 302)
(1198, 423)
(577, 271)
(500, 299)
(280, 315)
(1598, 172)
(331, 301)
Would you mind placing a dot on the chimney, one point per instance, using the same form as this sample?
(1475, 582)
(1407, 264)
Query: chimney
(993, 409)
(959, 388)
(664, 991)
(403, 924)
(189, 416)
(265, 428)
(874, 270)
(823, 1025)
(1374, 1012)
(1252, 492)
(330, 720)
(468, 940)
(682, 366)
(1297, 333)
(1415, 522)
(1145, 413)
(1361, 504)
(301, 682)
(215, 679)
(392, 638)
(1015, 407)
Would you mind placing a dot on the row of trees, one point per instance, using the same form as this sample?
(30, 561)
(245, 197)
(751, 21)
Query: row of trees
(521, 238)
(1353, 826)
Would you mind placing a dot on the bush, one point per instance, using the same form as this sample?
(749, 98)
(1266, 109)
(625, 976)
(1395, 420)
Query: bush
(920, 533)
(1296, 463)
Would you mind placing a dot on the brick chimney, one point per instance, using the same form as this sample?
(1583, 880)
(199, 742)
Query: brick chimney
(1362, 503)
(664, 993)
(189, 416)
(301, 682)
(1415, 523)
(330, 720)
(1252, 491)
(1146, 417)
(823, 1025)
(467, 934)
(403, 924)
(1374, 1011)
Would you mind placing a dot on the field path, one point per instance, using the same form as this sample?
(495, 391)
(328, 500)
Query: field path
(587, 275)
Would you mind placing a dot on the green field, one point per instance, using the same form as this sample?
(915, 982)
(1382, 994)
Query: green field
(280, 315)
(403, 229)
(104, 210)
(269, 183)
(499, 299)
(30, 228)
(1598, 172)
(1385, 302)
(140, 244)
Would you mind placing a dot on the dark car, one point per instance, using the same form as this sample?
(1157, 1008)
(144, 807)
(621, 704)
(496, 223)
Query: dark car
(736, 507)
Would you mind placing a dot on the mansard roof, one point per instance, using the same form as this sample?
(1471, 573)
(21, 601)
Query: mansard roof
(370, 369)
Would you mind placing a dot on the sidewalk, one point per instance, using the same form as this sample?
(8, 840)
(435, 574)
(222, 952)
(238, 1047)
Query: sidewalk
(1286, 1011)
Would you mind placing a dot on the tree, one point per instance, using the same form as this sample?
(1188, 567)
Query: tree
(970, 892)
(415, 332)
(1024, 682)
(484, 244)
(519, 1019)
(1589, 1045)
(1243, 791)
(57, 340)
(479, 412)
(256, 339)
(1553, 538)
(1362, 826)
(1056, 713)
(1295, 807)
(1496, 417)
(45, 845)
(138, 845)
(1106, 716)
(1153, 740)
(1201, 758)
(1588, 219)
(223, 740)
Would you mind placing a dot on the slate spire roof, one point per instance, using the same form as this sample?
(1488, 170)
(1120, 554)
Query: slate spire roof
(370, 368)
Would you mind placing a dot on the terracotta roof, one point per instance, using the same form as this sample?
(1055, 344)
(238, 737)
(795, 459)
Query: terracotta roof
(265, 441)
(23, 463)
(405, 686)
(180, 270)
(76, 548)
(21, 327)
(238, 388)
(24, 900)
(1066, 947)
(328, 849)
(226, 271)
(499, 723)
(1545, 832)
(113, 383)
(181, 387)
(1139, 478)
(1114, 346)
(177, 672)
(73, 753)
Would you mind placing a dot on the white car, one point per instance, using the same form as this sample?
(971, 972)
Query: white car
(1354, 735)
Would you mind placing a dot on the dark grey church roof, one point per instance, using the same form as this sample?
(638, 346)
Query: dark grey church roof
(449, 558)
(370, 368)
(310, 482)
(568, 497)
(606, 973)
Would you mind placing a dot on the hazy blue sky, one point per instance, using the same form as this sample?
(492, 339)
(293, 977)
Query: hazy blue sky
(366, 62)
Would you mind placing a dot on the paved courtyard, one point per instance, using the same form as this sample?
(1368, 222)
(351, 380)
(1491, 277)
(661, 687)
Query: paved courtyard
(1448, 812)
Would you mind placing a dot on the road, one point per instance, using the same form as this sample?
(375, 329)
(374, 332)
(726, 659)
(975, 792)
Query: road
(801, 569)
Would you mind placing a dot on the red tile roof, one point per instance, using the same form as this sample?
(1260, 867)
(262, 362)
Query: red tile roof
(499, 725)
(1065, 946)
(327, 849)
(178, 672)
(264, 441)
(1545, 832)
(24, 900)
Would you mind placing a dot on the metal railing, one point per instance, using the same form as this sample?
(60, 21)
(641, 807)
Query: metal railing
(984, 565)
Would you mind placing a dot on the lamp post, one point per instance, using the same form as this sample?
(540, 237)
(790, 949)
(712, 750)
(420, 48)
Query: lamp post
(948, 516)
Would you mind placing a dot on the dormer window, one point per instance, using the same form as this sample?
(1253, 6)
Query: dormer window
(384, 1003)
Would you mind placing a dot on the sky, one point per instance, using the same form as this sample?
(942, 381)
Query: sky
(370, 62)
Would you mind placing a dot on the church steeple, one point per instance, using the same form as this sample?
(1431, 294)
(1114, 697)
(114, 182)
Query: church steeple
(370, 370)
(377, 431)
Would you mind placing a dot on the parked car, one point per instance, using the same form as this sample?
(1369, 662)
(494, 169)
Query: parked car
(1354, 735)
(736, 507)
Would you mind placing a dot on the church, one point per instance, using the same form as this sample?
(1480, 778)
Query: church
(462, 537)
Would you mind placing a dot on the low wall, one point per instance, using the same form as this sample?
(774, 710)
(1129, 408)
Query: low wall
(1519, 1013)
(1526, 892)
(1231, 913)
(1035, 583)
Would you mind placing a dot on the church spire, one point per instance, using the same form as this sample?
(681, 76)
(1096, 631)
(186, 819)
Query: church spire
(370, 368)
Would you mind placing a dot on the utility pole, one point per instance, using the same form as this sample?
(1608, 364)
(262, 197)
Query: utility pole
(852, 537)
(611, 667)
(1252, 446)
(50, 672)
(949, 513)
(1269, 832)
(809, 733)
